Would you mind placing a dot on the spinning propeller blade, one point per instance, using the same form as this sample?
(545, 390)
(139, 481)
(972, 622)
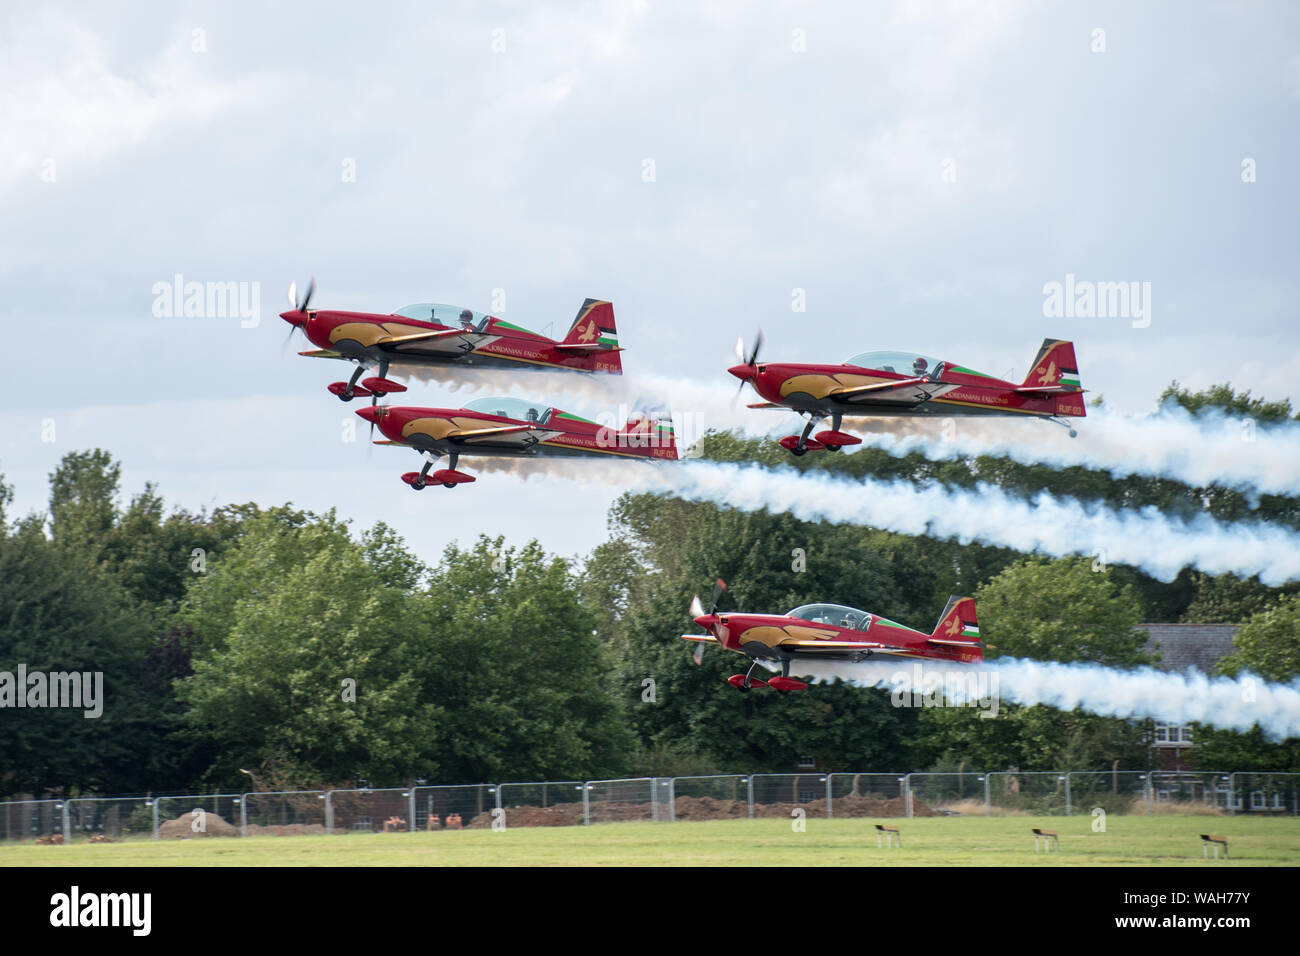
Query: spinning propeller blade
(697, 607)
(749, 359)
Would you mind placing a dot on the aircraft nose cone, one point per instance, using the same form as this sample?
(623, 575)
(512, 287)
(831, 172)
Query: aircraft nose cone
(707, 621)
(742, 372)
(372, 413)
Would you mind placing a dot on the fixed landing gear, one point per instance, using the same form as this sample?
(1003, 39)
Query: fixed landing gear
(785, 683)
(447, 477)
(831, 439)
(377, 386)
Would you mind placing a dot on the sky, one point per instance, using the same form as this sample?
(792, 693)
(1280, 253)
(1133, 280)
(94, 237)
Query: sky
(843, 176)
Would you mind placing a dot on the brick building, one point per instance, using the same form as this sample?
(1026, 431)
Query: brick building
(1183, 646)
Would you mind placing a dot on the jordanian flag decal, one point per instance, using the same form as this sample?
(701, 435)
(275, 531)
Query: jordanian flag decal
(970, 630)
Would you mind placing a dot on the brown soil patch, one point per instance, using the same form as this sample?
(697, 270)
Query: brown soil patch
(700, 808)
(182, 828)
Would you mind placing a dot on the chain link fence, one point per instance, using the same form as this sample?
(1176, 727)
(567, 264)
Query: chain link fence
(867, 795)
(945, 794)
(1272, 794)
(456, 806)
(23, 820)
(708, 797)
(1117, 792)
(544, 803)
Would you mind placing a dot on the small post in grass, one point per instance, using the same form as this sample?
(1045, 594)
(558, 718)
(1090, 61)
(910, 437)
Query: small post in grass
(1051, 840)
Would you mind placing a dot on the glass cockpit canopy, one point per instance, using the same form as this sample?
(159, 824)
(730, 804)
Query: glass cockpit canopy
(836, 614)
(520, 409)
(902, 363)
(449, 315)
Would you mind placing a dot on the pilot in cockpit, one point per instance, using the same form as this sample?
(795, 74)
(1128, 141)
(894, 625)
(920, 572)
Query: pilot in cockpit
(532, 416)
(919, 366)
(466, 319)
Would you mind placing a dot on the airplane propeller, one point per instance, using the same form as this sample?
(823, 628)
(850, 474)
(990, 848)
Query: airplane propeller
(298, 306)
(697, 610)
(750, 360)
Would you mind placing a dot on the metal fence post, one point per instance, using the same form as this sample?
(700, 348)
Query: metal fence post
(828, 797)
(67, 821)
(1066, 778)
(329, 811)
(672, 799)
(410, 826)
(988, 796)
(1232, 794)
(586, 803)
(153, 802)
(907, 795)
(749, 794)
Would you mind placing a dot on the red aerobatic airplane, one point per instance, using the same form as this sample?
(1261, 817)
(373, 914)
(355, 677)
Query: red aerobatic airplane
(432, 334)
(907, 384)
(514, 428)
(831, 632)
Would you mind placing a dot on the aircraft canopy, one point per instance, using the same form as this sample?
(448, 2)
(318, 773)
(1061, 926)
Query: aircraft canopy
(836, 614)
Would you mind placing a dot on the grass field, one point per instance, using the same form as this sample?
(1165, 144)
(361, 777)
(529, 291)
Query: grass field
(942, 841)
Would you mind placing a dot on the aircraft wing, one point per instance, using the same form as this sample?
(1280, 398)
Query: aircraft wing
(702, 638)
(441, 342)
(521, 436)
(578, 347)
(765, 405)
(839, 645)
(939, 640)
(875, 387)
(322, 353)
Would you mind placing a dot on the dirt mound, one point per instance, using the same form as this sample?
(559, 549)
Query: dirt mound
(54, 839)
(101, 838)
(560, 815)
(182, 828)
(289, 829)
(701, 808)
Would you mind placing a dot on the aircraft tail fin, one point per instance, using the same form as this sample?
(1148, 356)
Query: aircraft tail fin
(1056, 369)
(652, 430)
(594, 333)
(1054, 365)
(959, 626)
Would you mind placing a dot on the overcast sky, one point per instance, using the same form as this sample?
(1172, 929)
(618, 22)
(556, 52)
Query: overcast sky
(920, 171)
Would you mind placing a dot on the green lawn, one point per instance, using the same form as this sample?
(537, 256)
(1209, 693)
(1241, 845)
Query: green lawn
(1136, 840)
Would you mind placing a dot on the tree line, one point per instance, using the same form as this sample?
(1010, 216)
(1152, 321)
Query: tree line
(286, 643)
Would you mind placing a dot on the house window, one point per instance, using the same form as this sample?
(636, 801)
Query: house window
(1173, 734)
(807, 761)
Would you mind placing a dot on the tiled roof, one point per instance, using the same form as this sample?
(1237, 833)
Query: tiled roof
(1189, 645)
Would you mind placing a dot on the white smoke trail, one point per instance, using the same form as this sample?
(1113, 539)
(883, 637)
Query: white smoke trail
(1146, 539)
(1228, 703)
(1198, 450)
(1209, 448)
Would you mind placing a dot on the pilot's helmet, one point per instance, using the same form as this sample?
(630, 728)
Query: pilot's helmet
(466, 317)
(919, 365)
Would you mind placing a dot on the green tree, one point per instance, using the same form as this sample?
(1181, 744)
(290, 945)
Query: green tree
(306, 659)
(513, 659)
(1268, 643)
(1061, 610)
